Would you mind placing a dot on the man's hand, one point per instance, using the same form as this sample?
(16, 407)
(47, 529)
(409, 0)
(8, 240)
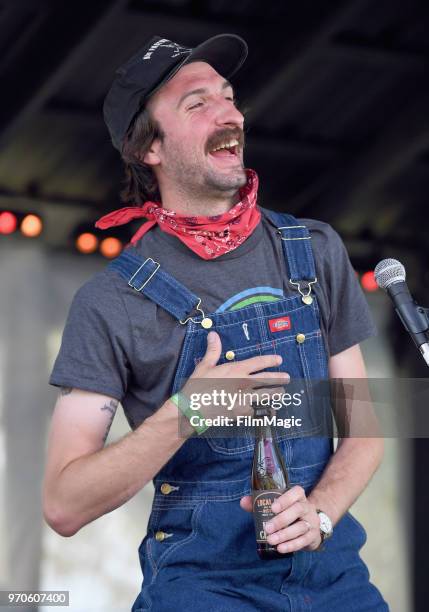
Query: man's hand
(296, 525)
(246, 368)
(247, 376)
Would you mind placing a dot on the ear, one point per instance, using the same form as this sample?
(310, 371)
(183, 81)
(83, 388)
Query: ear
(152, 157)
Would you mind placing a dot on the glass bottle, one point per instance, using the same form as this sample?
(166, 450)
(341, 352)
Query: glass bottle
(269, 480)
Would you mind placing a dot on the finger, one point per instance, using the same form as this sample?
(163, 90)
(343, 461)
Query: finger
(246, 503)
(213, 350)
(255, 364)
(295, 530)
(297, 543)
(271, 375)
(285, 500)
(286, 517)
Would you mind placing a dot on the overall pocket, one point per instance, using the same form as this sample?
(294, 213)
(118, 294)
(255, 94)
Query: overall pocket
(303, 362)
(316, 410)
(173, 529)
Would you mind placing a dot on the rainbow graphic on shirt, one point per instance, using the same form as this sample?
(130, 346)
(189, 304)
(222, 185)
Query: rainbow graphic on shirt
(254, 295)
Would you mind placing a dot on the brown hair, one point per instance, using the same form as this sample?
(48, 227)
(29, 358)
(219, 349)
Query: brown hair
(140, 180)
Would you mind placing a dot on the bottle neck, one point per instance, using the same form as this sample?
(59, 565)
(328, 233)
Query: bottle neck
(262, 429)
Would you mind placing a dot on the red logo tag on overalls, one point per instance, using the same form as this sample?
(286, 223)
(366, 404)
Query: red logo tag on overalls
(279, 324)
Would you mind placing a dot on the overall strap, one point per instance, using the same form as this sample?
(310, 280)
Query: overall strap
(147, 277)
(297, 250)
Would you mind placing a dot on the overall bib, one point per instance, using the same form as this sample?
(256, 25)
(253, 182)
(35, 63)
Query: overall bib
(199, 553)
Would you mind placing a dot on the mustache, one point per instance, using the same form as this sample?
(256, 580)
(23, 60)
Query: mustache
(221, 136)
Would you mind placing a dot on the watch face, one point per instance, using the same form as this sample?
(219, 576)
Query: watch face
(325, 523)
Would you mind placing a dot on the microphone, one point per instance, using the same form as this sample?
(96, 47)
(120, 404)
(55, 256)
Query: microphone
(390, 276)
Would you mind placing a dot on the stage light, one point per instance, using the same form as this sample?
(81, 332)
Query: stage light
(368, 281)
(8, 222)
(31, 226)
(86, 243)
(110, 247)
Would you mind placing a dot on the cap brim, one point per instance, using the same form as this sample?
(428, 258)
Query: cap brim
(226, 53)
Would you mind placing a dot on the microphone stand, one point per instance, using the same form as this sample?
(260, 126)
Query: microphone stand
(421, 318)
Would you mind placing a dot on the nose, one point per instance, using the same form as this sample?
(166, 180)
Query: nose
(228, 114)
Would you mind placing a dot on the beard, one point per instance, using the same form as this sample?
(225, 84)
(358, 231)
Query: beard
(225, 181)
(192, 172)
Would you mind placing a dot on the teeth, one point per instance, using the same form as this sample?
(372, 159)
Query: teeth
(226, 145)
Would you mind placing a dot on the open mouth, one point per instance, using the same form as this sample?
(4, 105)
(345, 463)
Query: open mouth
(226, 150)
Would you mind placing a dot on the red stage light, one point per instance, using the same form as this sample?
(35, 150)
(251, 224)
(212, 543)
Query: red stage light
(368, 281)
(8, 222)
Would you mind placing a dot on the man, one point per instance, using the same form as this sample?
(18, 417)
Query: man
(218, 288)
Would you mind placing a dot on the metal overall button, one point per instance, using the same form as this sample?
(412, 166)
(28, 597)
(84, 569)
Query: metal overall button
(300, 338)
(167, 488)
(160, 536)
(230, 355)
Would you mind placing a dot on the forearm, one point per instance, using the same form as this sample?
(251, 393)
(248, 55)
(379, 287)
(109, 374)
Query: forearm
(346, 475)
(93, 485)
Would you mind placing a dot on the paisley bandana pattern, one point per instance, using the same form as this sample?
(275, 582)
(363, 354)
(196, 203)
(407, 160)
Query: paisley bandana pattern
(208, 237)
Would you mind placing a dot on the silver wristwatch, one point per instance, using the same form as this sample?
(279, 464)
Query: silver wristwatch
(326, 528)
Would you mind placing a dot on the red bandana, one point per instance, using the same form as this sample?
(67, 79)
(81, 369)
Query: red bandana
(209, 237)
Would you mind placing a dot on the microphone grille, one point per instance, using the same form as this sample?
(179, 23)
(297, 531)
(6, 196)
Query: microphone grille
(389, 271)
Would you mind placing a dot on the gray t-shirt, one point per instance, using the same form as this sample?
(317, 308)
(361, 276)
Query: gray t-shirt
(119, 343)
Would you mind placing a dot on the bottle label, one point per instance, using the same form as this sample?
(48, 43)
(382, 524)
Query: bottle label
(262, 512)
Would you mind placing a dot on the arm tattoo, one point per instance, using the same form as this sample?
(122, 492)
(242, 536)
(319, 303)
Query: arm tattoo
(66, 390)
(110, 407)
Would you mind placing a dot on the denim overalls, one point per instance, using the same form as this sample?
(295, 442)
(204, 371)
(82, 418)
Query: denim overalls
(199, 553)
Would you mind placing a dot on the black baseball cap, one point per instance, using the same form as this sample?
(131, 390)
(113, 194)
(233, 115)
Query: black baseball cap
(153, 65)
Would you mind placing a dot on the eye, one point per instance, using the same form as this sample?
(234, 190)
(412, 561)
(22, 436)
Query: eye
(233, 100)
(196, 105)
